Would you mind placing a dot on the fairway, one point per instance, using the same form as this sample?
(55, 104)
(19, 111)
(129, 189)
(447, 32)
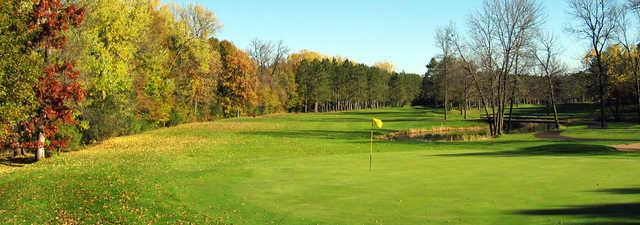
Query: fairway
(495, 112)
(313, 169)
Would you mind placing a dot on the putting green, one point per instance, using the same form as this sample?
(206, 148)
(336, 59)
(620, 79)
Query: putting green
(426, 187)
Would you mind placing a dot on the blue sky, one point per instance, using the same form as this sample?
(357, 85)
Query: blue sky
(367, 31)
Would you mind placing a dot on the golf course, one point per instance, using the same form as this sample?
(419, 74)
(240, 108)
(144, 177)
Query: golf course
(314, 169)
(231, 112)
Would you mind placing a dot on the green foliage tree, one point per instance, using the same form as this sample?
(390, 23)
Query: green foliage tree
(313, 83)
(378, 88)
(17, 73)
(404, 88)
(153, 84)
(107, 47)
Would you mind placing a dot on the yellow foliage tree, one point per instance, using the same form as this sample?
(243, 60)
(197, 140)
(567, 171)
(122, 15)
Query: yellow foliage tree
(385, 65)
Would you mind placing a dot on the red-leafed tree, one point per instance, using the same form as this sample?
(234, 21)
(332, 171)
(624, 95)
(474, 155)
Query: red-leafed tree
(57, 88)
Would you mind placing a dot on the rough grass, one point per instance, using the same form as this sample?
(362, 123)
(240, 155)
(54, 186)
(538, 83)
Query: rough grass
(313, 169)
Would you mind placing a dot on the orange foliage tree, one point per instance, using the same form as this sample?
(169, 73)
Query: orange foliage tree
(238, 81)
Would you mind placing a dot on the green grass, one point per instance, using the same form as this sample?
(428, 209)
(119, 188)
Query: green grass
(574, 111)
(616, 131)
(313, 169)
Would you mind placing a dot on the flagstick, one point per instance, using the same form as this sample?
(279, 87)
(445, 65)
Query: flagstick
(371, 150)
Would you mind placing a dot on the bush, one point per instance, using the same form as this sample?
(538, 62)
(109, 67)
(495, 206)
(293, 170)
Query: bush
(73, 134)
(106, 118)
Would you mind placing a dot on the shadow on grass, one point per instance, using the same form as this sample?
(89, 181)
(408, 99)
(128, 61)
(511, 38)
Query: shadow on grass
(568, 149)
(557, 135)
(617, 210)
(628, 191)
(606, 223)
(618, 213)
(16, 162)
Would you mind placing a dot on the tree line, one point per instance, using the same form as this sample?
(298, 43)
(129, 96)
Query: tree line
(77, 72)
(334, 85)
(569, 88)
(507, 58)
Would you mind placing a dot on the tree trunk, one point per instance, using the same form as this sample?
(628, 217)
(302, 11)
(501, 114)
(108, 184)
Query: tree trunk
(446, 91)
(195, 109)
(503, 102)
(513, 99)
(465, 100)
(603, 104)
(40, 154)
(40, 151)
(513, 94)
(553, 101)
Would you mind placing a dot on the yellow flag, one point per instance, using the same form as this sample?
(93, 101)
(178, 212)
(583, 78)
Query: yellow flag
(377, 123)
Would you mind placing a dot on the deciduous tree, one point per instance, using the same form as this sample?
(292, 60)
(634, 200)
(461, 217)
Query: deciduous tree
(237, 86)
(595, 20)
(57, 88)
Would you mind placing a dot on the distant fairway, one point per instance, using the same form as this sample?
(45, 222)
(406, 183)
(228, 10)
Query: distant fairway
(313, 169)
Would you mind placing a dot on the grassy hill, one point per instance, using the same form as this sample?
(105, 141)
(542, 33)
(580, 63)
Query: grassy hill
(313, 169)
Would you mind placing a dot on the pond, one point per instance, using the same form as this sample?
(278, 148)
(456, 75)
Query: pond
(455, 134)
(450, 134)
(528, 127)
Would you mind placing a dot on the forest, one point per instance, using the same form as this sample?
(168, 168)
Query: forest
(78, 72)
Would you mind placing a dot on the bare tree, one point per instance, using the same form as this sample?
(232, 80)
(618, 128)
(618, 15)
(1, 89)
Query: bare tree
(623, 36)
(471, 70)
(198, 24)
(268, 55)
(202, 22)
(444, 41)
(280, 56)
(546, 54)
(500, 30)
(522, 63)
(262, 53)
(596, 21)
